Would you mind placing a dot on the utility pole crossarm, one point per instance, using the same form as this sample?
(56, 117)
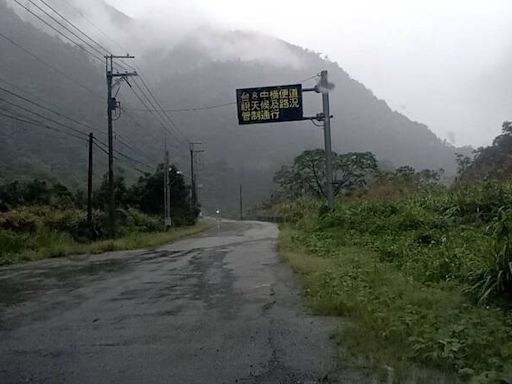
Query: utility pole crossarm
(124, 74)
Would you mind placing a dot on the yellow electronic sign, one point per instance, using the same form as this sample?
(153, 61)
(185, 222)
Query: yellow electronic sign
(269, 104)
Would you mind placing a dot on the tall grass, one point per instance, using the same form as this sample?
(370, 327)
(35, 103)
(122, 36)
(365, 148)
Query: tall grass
(427, 275)
(438, 235)
(31, 233)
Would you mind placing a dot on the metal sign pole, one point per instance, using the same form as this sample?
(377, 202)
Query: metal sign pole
(327, 140)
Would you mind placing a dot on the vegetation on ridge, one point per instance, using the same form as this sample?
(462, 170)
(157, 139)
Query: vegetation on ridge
(424, 269)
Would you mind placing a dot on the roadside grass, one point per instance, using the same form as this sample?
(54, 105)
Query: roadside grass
(423, 332)
(49, 244)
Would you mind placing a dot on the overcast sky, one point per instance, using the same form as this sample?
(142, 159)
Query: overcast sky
(445, 63)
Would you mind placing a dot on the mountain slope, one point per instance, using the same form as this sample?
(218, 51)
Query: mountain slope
(203, 69)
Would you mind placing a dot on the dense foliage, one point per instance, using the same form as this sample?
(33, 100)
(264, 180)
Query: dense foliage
(307, 174)
(35, 214)
(424, 268)
(428, 273)
(493, 161)
(438, 235)
(352, 172)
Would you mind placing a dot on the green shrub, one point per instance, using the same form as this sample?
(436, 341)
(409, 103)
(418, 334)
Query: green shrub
(19, 220)
(11, 243)
(437, 235)
(496, 276)
(133, 220)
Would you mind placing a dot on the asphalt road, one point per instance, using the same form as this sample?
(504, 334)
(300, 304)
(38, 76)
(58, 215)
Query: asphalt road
(215, 308)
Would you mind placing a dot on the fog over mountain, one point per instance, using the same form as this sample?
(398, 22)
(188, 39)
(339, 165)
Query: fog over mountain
(440, 62)
(191, 64)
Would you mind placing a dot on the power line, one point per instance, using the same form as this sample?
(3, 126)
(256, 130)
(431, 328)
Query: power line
(158, 112)
(152, 100)
(93, 24)
(161, 109)
(204, 108)
(49, 109)
(124, 66)
(165, 115)
(132, 159)
(105, 50)
(165, 128)
(123, 154)
(43, 117)
(86, 125)
(311, 78)
(34, 56)
(41, 125)
(63, 26)
(99, 58)
(74, 26)
(138, 124)
(131, 147)
(38, 104)
(103, 149)
(193, 109)
(95, 142)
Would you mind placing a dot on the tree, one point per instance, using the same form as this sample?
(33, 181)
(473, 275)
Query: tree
(463, 163)
(61, 196)
(492, 161)
(352, 171)
(290, 182)
(36, 192)
(307, 174)
(102, 195)
(309, 169)
(147, 195)
(407, 177)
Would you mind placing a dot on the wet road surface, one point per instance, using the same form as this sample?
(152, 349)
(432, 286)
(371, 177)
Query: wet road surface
(215, 308)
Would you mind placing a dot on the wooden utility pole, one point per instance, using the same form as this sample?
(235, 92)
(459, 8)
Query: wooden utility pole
(112, 105)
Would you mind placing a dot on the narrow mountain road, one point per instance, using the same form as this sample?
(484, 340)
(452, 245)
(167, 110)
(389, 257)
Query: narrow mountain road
(216, 308)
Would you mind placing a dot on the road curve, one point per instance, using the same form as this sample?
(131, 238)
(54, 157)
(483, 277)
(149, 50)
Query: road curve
(215, 308)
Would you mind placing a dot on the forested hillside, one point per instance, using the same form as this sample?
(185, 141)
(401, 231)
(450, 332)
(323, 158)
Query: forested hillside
(200, 71)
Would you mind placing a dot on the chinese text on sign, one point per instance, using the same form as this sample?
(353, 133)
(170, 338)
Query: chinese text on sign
(269, 104)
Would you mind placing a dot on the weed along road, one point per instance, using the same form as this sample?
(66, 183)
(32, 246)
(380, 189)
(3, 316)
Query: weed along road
(215, 308)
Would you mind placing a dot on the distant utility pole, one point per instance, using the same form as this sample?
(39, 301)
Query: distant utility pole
(241, 204)
(112, 105)
(167, 190)
(193, 181)
(89, 183)
(324, 87)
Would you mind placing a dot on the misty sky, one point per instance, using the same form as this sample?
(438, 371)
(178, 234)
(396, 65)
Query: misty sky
(446, 63)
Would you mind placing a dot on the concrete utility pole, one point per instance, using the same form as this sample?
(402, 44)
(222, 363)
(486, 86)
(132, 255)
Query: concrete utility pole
(323, 87)
(167, 191)
(193, 181)
(112, 105)
(89, 183)
(241, 204)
